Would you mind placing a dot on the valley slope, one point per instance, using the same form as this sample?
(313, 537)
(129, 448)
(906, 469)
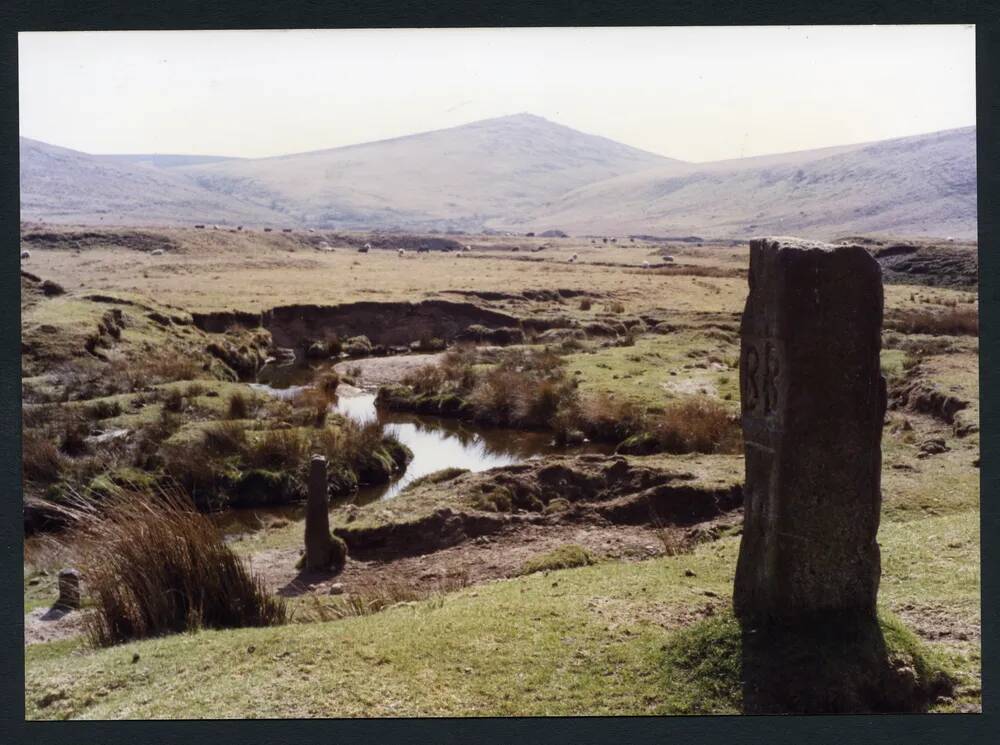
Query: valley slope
(523, 173)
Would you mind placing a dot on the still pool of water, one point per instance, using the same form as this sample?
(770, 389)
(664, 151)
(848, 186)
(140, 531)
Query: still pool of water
(436, 442)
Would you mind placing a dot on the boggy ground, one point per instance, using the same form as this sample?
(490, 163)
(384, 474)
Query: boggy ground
(433, 612)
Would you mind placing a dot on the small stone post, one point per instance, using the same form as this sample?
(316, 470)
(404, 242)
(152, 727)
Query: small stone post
(319, 544)
(813, 400)
(69, 589)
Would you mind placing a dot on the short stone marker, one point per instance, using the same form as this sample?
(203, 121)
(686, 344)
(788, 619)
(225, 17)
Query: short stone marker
(813, 401)
(69, 589)
(319, 543)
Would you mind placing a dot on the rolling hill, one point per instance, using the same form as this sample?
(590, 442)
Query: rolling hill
(61, 185)
(460, 177)
(922, 185)
(523, 173)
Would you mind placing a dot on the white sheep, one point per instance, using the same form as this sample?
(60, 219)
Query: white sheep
(25, 254)
(368, 247)
(645, 265)
(402, 252)
(467, 248)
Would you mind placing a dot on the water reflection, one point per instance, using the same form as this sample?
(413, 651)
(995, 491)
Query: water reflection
(439, 442)
(436, 442)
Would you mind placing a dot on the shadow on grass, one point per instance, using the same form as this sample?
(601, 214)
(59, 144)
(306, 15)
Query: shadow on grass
(833, 665)
(301, 583)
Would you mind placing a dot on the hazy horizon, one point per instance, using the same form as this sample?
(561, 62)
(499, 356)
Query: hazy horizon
(412, 134)
(695, 94)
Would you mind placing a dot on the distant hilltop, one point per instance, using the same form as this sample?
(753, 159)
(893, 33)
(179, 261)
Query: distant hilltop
(523, 173)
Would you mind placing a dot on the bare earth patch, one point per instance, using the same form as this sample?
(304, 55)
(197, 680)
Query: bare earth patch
(49, 625)
(472, 562)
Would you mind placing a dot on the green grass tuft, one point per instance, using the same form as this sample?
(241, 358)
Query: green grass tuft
(564, 557)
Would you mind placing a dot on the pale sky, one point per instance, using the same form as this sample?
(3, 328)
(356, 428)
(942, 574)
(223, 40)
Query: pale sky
(691, 93)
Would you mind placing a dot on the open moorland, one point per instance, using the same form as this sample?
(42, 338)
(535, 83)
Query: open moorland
(535, 467)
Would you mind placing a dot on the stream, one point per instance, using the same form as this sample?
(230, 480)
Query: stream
(436, 442)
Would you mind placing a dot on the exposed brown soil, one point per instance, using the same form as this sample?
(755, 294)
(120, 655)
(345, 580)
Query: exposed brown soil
(478, 560)
(556, 491)
(936, 623)
(49, 625)
(940, 266)
(918, 394)
(136, 240)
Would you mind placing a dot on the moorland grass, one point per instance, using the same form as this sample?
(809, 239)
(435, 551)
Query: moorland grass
(602, 640)
(156, 566)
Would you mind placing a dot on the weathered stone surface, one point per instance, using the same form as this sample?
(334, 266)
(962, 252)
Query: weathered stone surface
(319, 542)
(69, 589)
(813, 401)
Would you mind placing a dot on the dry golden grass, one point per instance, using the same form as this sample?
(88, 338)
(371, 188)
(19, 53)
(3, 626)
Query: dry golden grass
(374, 596)
(214, 271)
(698, 424)
(951, 320)
(40, 459)
(152, 565)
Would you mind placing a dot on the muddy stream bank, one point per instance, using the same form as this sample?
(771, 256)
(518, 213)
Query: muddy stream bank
(436, 442)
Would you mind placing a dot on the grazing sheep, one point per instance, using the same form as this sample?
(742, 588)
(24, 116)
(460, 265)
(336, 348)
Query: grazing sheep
(645, 265)
(25, 254)
(467, 248)
(311, 230)
(200, 227)
(239, 227)
(215, 227)
(402, 252)
(156, 252)
(573, 258)
(365, 248)
(667, 258)
(286, 230)
(268, 230)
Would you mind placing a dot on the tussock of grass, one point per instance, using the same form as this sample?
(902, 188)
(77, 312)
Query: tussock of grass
(278, 449)
(40, 459)
(224, 438)
(953, 321)
(240, 406)
(697, 424)
(103, 409)
(153, 565)
(374, 597)
(564, 557)
(437, 477)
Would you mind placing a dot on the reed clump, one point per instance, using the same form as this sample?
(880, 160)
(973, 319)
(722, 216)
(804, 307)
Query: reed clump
(153, 565)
